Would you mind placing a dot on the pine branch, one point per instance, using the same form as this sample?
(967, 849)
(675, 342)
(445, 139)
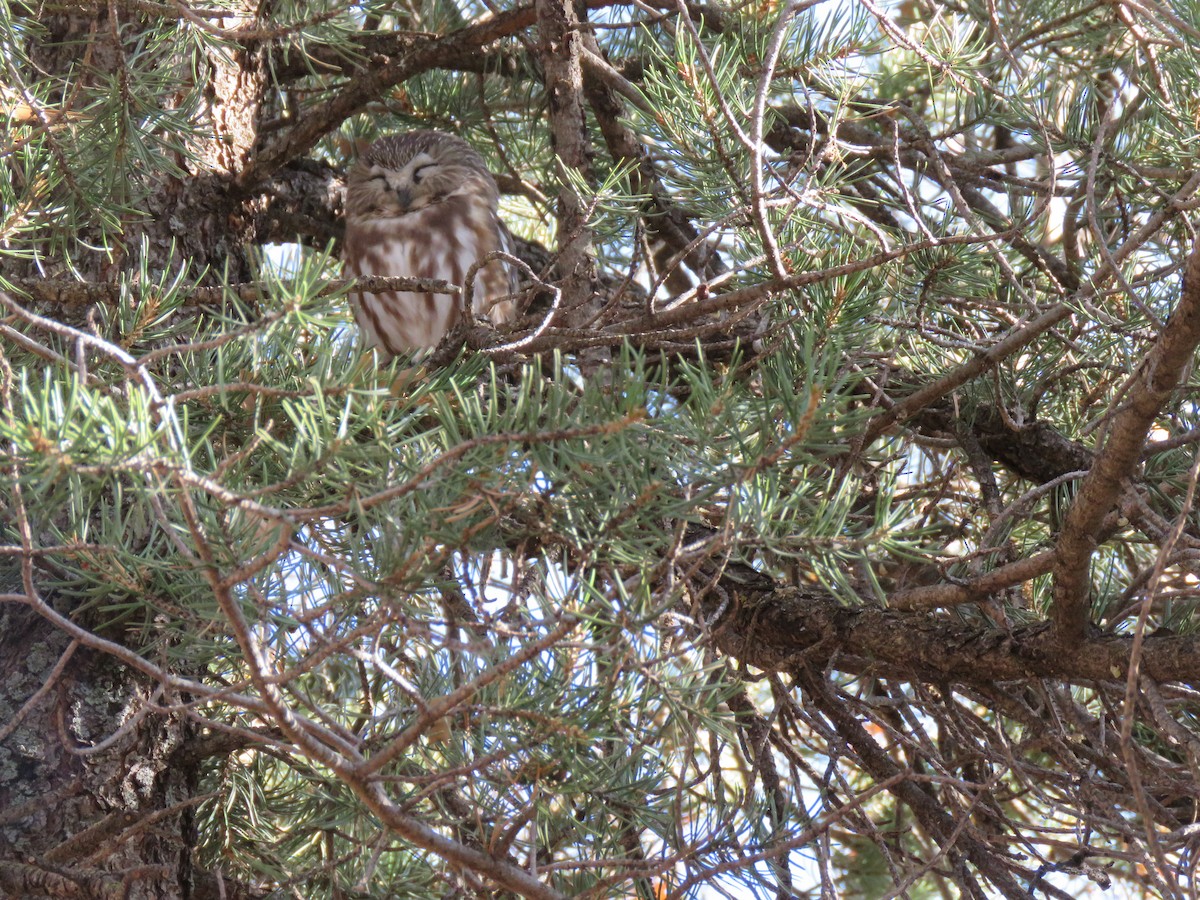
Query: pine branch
(783, 628)
(1156, 379)
(419, 53)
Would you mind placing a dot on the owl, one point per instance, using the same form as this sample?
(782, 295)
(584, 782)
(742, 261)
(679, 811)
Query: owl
(423, 205)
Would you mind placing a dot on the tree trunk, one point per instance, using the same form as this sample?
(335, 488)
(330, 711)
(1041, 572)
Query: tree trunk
(95, 800)
(95, 803)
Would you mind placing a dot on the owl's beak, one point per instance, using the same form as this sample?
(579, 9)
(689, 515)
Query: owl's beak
(404, 198)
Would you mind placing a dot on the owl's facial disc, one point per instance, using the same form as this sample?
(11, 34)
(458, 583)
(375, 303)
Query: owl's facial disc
(396, 179)
(416, 185)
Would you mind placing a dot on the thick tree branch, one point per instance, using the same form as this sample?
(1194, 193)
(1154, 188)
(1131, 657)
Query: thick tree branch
(1153, 383)
(300, 202)
(776, 627)
(418, 54)
(780, 628)
(559, 48)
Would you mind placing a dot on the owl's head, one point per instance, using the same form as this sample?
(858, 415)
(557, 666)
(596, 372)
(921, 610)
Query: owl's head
(408, 172)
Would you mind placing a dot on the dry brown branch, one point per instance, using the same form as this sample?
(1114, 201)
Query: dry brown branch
(1158, 375)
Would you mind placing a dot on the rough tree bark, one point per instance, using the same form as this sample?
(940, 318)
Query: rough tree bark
(95, 777)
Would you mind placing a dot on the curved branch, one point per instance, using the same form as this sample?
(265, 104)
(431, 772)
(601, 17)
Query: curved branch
(417, 54)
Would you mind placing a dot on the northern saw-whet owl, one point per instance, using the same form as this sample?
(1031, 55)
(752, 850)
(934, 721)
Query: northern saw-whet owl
(423, 205)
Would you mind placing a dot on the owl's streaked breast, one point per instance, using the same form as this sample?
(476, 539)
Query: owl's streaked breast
(442, 242)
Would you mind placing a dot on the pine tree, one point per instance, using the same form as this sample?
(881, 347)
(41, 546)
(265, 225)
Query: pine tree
(824, 527)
